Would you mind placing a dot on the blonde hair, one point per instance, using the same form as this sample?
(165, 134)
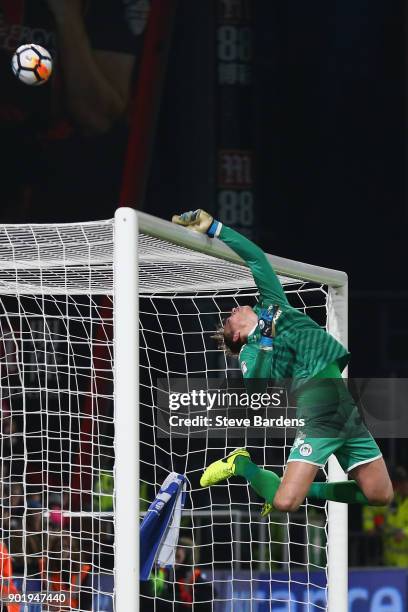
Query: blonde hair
(225, 342)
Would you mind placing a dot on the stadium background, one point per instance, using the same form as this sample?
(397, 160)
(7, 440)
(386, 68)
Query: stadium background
(285, 120)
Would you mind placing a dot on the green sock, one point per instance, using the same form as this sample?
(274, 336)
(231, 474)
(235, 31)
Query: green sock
(263, 482)
(347, 492)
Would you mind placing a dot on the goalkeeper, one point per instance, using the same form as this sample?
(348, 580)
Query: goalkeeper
(276, 341)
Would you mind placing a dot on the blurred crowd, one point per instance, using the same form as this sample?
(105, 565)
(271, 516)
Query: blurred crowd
(386, 528)
(188, 584)
(38, 538)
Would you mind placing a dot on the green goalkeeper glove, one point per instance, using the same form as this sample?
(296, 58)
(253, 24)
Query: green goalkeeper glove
(199, 221)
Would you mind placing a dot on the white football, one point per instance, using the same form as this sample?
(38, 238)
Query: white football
(32, 64)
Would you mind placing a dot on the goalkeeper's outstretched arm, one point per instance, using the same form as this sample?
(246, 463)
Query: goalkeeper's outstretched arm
(265, 278)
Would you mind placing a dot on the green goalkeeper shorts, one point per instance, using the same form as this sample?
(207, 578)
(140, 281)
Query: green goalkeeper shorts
(350, 452)
(332, 425)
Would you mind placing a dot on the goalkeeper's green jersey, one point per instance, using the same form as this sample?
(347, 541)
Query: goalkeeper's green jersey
(301, 348)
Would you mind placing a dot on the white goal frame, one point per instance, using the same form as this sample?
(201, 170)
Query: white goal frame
(128, 223)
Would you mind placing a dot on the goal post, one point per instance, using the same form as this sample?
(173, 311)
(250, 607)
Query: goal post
(126, 406)
(337, 325)
(92, 316)
(175, 234)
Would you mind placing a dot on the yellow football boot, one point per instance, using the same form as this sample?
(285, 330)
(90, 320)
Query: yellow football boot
(222, 469)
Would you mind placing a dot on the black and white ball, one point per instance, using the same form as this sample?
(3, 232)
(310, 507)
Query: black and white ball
(32, 64)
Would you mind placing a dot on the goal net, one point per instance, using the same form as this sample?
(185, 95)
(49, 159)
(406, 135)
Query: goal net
(65, 517)
(57, 419)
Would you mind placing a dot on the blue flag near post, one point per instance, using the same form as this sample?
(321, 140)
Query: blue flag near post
(160, 527)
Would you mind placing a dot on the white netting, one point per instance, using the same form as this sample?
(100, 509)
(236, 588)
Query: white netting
(241, 561)
(57, 428)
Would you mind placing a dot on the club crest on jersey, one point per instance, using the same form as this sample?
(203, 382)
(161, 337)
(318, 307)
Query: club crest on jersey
(306, 450)
(244, 367)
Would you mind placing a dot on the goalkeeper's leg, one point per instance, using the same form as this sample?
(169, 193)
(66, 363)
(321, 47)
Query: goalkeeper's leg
(285, 495)
(371, 486)
(293, 489)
